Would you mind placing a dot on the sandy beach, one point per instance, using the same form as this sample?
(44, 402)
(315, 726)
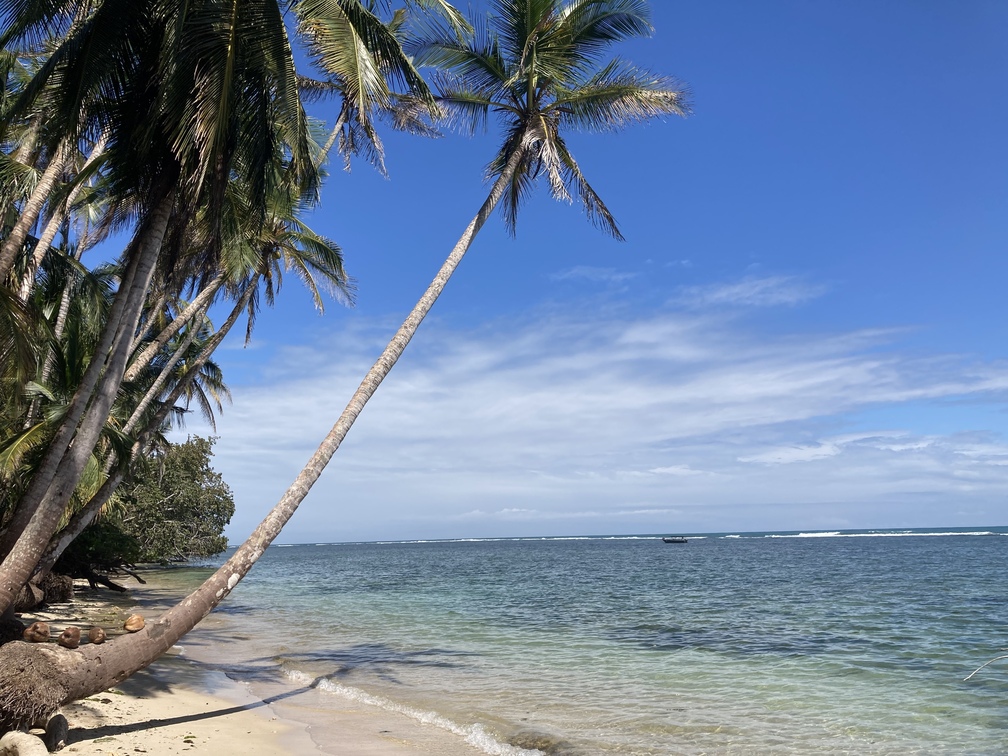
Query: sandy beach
(177, 706)
(181, 704)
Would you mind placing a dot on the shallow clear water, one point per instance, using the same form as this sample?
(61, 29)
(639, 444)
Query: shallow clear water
(631, 646)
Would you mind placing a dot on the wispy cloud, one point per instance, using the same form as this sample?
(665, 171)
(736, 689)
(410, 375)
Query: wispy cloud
(575, 422)
(593, 274)
(769, 291)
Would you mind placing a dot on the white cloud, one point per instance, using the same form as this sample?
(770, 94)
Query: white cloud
(593, 274)
(605, 423)
(751, 292)
(679, 470)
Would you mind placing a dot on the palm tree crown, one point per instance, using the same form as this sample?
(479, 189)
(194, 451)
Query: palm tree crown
(539, 67)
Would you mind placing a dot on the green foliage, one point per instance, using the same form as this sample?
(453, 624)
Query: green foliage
(175, 509)
(178, 505)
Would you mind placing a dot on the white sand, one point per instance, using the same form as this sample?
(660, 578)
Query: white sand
(174, 707)
(179, 705)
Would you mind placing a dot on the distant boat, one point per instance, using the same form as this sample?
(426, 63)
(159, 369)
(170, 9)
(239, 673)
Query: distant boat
(674, 539)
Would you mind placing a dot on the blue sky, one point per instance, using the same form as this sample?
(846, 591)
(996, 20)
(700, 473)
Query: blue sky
(803, 330)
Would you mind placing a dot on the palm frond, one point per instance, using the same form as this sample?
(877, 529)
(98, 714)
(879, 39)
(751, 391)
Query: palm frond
(619, 95)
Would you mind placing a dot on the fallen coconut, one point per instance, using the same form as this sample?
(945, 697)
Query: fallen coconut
(70, 637)
(37, 632)
(96, 635)
(134, 623)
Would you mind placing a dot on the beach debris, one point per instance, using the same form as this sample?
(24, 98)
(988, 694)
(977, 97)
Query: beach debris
(57, 733)
(996, 658)
(28, 598)
(134, 623)
(37, 632)
(57, 588)
(96, 635)
(70, 637)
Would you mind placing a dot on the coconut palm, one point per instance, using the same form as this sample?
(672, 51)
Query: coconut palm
(259, 255)
(190, 96)
(224, 87)
(537, 65)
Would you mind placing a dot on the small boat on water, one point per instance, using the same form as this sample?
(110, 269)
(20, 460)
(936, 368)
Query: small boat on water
(674, 539)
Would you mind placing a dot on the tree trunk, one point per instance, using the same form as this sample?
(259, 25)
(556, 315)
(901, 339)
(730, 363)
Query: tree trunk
(83, 517)
(163, 376)
(63, 436)
(58, 215)
(91, 668)
(199, 304)
(86, 515)
(12, 245)
(142, 333)
(37, 518)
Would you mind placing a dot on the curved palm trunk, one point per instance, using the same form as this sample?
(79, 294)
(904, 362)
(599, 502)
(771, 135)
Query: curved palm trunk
(58, 216)
(33, 207)
(92, 668)
(50, 358)
(39, 511)
(63, 436)
(86, 515)
(143, 332)
(78, 522)
(163, 376)
(188, 313)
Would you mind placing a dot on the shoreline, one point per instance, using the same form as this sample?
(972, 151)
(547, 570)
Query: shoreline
(177, 705)
(188, 700)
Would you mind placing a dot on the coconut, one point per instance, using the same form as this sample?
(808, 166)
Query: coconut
(37, 632)
(70, 637)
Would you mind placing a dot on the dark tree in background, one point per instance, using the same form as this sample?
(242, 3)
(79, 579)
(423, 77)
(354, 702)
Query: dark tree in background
(175, 509)
(178, 505)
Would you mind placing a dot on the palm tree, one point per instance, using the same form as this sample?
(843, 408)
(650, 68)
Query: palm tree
(283, 243)
(191, 96)
(536, 65)
(224, 89)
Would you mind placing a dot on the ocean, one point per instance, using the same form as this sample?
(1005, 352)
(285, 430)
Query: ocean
(845, 642)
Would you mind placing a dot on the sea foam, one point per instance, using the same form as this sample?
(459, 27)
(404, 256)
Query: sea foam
(474, 734)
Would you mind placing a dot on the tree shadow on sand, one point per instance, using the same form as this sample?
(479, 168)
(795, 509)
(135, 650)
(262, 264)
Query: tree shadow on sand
(190, 675)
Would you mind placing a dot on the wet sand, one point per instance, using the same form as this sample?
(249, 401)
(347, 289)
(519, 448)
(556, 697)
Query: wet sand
(181, 704)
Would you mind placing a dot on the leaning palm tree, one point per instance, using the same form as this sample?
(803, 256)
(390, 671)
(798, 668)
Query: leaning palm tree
(190, 94)
(530, 65)
(537, 65)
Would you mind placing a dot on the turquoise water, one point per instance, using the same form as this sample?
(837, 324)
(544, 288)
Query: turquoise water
(783, 643)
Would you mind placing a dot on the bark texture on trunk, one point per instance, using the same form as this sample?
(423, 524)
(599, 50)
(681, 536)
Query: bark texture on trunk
(49, 465)
(58, 215)
(43, 512)
(85, 516)
(158, 385)
(12, 245)
(92, 668)
(81, 519)
(143, 333)
(189, 313)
